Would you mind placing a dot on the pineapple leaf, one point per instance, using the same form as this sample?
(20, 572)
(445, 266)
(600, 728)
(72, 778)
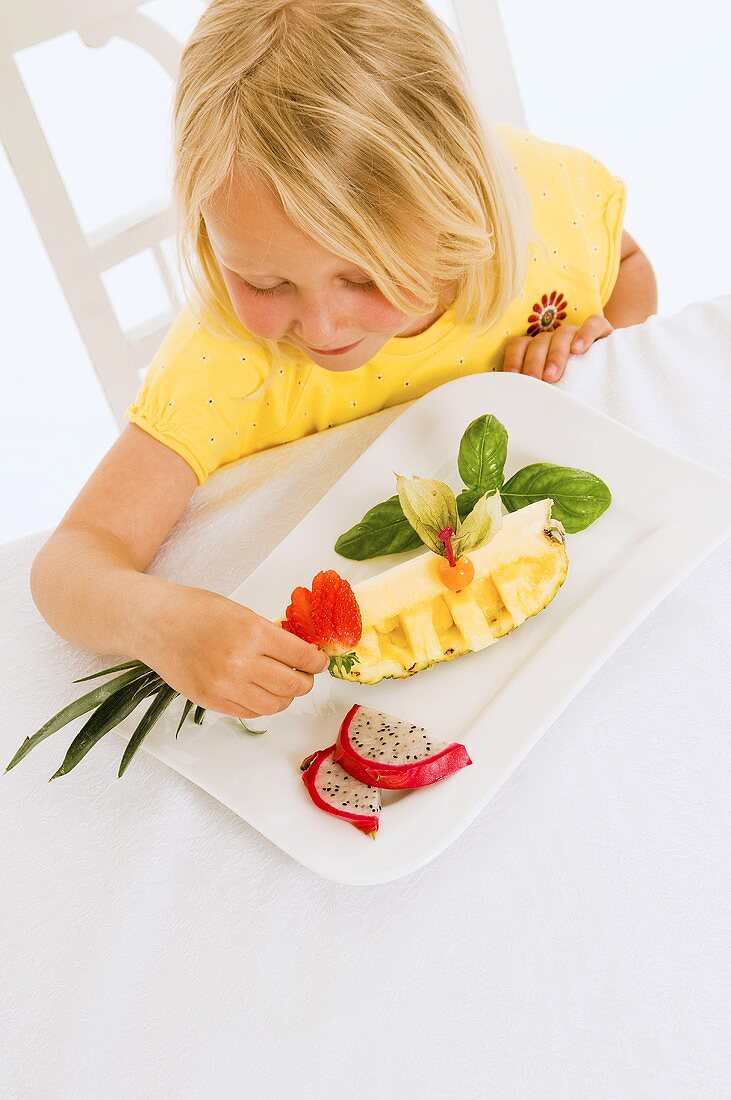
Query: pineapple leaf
(90, 701)
(183, 716)
(160, 703)
(106, 717)
(198, 715)
(116, 668)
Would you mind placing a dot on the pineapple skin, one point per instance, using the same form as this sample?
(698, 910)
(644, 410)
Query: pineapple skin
(411, 621)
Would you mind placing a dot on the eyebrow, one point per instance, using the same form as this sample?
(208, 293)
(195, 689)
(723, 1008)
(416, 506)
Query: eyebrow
(241, 270)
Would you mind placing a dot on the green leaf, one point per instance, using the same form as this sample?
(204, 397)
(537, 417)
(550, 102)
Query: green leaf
(183, 716)
(482, 453)
(160, 703)
(341, 664)
(429, 506)
(80, 706)
(466, 500)
(116, 668)
(198, 714)
(579, 498)
(249, 729)
(480, 526)
(111, 712)
(383, 530)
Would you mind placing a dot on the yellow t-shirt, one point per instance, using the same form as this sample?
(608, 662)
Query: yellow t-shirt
(200, 397)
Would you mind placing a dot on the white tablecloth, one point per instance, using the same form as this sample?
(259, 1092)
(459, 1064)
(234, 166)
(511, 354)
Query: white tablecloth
(570, 944)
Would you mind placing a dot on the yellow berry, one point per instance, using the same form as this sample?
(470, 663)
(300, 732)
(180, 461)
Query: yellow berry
(457, 576)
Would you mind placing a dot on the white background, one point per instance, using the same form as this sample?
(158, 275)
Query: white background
(645, 89)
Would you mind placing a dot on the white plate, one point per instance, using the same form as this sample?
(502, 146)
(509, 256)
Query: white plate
(667, 514)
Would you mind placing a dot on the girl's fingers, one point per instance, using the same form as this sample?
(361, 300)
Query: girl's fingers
(594, 328)
(558, 353)
(291, 650)
(546, 355)
(258, 702)
(279, 679)
(535, 356)
(515, 352)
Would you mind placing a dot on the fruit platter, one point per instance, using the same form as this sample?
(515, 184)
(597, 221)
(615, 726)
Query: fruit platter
(461, 613)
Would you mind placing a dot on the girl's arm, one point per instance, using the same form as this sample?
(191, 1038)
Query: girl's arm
(634, 297)
(88, 578)
(89, 584)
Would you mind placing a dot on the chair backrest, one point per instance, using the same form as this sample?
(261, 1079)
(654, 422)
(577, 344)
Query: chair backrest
(488, 60)
(81, 259)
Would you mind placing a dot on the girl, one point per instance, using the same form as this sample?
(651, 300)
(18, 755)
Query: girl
(353, 236)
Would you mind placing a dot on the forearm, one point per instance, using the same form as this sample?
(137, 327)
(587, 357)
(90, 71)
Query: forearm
(86, 587)
(634, 297)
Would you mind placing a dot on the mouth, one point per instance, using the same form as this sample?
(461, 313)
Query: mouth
(336, 351)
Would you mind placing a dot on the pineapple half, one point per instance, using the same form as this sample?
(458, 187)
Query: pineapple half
(412, 621)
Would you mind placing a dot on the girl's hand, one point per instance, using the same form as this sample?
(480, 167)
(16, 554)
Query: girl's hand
(545, 355)
(225, 657)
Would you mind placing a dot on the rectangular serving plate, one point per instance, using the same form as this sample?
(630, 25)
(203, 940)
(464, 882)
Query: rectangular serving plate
(667, 514)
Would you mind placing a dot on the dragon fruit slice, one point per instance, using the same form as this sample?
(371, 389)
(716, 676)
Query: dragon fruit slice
(334, 791)
(390, 753)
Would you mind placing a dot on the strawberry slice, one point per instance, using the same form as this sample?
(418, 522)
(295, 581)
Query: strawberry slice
(298, 618)
(327, 616)
(347, 616)
(335, 611)
(325, 587)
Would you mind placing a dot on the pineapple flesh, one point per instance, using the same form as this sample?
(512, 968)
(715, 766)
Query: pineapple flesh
(411, 621)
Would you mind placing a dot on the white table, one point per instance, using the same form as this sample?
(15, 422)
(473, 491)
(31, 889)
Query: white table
(570, 944)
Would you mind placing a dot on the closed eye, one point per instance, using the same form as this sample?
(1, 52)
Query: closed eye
(273, 289)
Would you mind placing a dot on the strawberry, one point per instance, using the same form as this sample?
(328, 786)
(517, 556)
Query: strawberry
(327, 616)
(347, 616)
(299, 616)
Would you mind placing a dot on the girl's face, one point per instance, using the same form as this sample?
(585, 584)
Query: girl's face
(285, 287)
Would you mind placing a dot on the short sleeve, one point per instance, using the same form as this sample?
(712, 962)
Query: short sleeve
(603, 215)
(578, 206)
(194, 391)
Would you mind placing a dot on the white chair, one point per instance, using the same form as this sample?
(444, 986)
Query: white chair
(80, 259)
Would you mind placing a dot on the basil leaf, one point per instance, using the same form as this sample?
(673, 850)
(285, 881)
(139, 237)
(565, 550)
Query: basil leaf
(482, 453)
(383, 530)
(466, 501)
(579, 498)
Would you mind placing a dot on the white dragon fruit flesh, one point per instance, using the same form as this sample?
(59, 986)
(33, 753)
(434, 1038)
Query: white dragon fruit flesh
(332, 789)
(393, 754)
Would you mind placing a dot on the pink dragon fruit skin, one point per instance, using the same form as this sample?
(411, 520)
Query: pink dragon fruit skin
(393, 754)
(336, 792)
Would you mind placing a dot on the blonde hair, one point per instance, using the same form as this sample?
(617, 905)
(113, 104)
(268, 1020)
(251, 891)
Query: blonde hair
(358, 116)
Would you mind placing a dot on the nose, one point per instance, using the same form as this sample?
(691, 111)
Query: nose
(320, 324)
